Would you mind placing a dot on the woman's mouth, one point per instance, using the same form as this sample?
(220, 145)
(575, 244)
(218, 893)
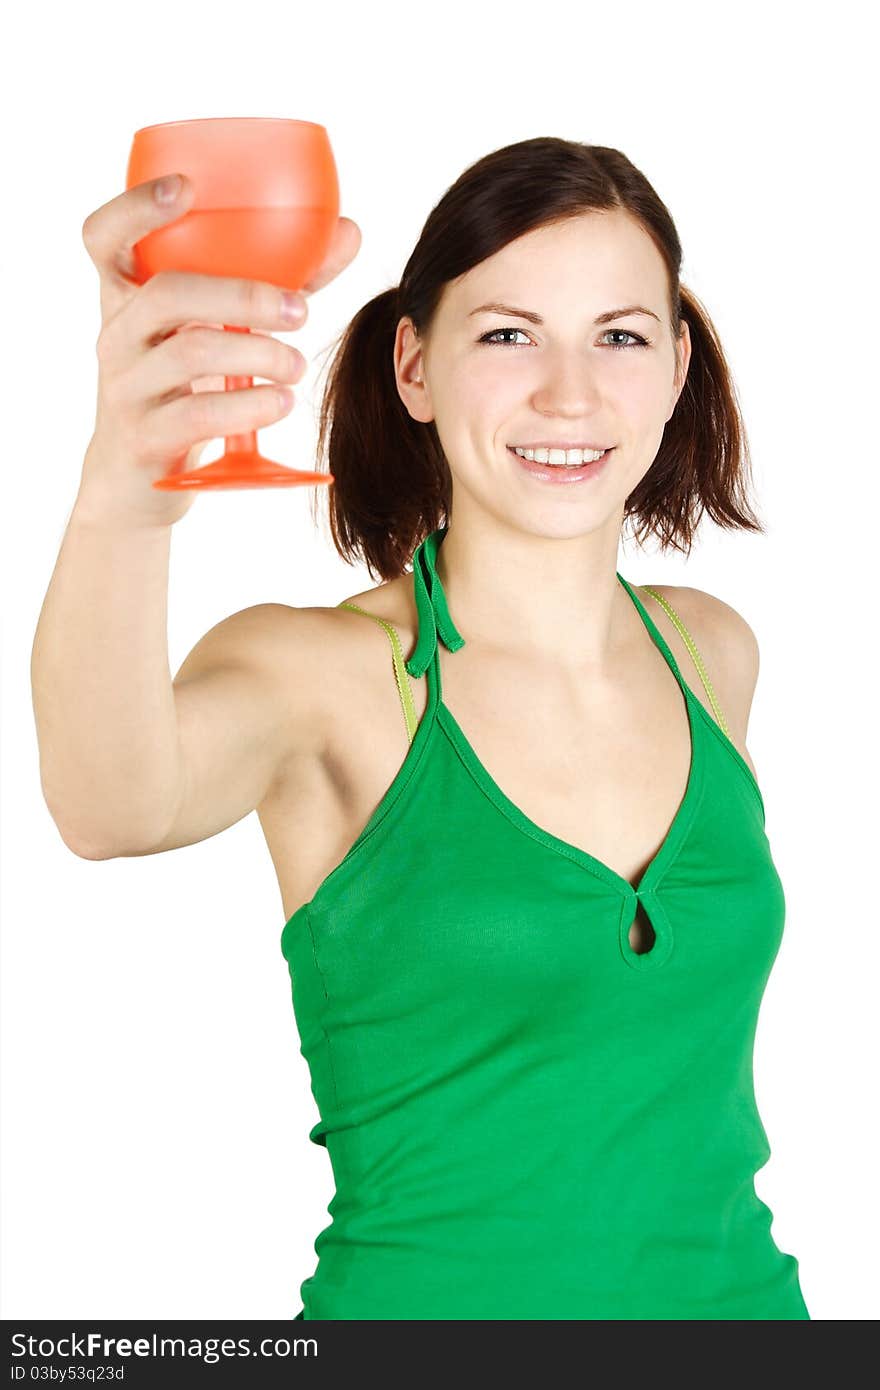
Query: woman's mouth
(561, 472)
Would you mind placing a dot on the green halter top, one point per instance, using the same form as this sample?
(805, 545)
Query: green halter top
(525, 1117)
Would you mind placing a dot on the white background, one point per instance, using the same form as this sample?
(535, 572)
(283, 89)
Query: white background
(155, 1158)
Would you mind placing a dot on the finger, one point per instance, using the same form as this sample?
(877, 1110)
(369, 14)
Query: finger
(111, 231)
(343, 248)
(242, 304)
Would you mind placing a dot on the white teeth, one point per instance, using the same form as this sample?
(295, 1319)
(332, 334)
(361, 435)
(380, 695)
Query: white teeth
(561, 456)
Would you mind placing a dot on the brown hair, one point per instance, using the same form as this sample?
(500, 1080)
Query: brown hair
(392, 485)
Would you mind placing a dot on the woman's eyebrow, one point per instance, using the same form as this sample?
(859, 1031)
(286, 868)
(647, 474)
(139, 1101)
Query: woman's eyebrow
(531, 317)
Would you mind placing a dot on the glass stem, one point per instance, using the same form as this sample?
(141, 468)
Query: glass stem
(240, 443)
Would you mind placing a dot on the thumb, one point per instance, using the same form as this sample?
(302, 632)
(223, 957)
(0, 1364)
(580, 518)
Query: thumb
(142, 209)
(344, 246)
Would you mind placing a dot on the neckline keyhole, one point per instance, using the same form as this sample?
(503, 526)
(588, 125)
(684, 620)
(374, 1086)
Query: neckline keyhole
(641, 934)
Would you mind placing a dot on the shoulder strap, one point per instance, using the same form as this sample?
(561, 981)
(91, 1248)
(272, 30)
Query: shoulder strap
(692, 648)
(400, 675)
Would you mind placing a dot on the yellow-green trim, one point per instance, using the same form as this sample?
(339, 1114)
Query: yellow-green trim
(405, 692)
(400, 674)
(692, 648)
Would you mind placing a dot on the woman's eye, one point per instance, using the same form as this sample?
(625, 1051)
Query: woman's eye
(636, 340)
(625, 333)
(488, 337)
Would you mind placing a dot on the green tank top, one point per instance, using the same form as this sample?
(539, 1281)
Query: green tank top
(525, 1117)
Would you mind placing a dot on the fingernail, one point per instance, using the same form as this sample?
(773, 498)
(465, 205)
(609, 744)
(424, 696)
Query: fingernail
(291, 307)
(167, 189)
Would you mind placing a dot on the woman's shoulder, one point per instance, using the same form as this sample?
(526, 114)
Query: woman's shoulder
(339, 649)
(336, 645)
(725, 642)
(391, 602)
(724, 630)
(722, 634)
(310, 654)
(330, 627)
(724, 638)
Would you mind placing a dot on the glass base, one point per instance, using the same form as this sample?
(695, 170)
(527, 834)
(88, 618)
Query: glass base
(240, 469)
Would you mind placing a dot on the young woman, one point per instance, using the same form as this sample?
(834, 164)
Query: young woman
(531, 905)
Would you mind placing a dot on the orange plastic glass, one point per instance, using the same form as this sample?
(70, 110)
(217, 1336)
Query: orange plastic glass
(265, 208)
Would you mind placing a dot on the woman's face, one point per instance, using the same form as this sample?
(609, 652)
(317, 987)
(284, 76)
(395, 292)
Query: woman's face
(492, 379)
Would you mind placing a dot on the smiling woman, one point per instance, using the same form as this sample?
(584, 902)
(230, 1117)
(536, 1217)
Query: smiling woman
(508, 974)
(530, 923)
(393, 449)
